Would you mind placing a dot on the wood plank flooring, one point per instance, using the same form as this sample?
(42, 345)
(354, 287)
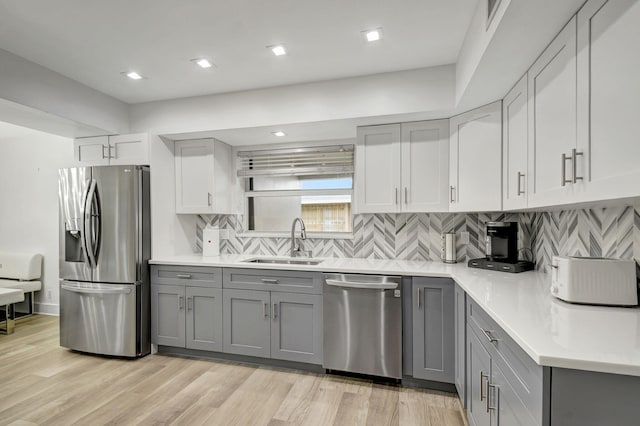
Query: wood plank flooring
(43, 383)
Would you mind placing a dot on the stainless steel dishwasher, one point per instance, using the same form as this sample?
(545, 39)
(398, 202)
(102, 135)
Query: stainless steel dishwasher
(363, 324)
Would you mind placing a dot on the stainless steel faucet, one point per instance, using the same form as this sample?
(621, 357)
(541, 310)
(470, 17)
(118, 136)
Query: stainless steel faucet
(296, 246)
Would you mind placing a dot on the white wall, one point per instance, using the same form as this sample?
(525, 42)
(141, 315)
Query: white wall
(29, 202)
(403, 92)
(32, 85)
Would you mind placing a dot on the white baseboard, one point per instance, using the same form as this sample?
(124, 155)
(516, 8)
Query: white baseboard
(47, 309)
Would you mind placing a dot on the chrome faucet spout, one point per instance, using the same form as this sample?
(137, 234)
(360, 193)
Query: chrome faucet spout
(296, 248)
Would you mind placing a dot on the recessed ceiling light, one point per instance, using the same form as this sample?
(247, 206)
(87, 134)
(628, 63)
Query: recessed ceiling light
(373, 35)
(278, 50)
(279, 133)
(133, 75)
(202, 63)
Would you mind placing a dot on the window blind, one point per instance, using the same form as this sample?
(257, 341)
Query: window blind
(321, 160)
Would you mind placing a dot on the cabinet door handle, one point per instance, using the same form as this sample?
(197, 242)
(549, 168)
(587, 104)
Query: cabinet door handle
(269, 280)
(209, 200)
(189, 303)
(184, 276)
(275, 310)
(574, 157)
(452, 198)
(496, 398)
(181, 303)
(103, 154)
(564, 180)
(419, 298)
(406, 195)
(520, 191)
(482, 377)
(114, 148)
(396, 195)
(265, 308)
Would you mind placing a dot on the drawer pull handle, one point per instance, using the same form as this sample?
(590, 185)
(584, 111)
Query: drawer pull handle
(482, 377)
(487, 334)
(269, 281)
(184, 276)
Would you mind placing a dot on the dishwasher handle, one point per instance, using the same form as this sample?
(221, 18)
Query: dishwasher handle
(353, 284)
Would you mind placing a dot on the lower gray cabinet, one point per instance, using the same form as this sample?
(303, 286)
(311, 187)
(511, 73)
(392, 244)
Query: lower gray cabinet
(204, 318)
(460, 333)
(279, 325)
(167, 315)
(478, 375)
(247, 322)
(296, 327)
(186, 317)
(433, 329)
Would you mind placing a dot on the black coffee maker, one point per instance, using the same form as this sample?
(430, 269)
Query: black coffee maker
(501, 242)
(501, 249)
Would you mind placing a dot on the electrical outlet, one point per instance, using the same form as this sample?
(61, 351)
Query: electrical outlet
(464, 237)
(224, 234)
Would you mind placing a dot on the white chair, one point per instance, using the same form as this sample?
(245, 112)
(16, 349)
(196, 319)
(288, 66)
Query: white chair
(21, 272)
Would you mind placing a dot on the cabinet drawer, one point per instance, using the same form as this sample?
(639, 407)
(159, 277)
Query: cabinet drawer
(523, 374)
(194, 276)
(261, 279)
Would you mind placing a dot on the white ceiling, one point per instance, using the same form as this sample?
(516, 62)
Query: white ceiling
(93, 41)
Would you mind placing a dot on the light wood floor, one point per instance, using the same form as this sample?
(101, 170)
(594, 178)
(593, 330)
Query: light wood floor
(43, 383)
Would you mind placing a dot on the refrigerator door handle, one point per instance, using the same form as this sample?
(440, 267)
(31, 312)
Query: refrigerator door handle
(116, 290)
(88, 228)
(83, 226)
(96, 224)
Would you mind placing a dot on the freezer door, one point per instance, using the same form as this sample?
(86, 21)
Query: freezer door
(99, 318)
(73, 189)
(114, 240)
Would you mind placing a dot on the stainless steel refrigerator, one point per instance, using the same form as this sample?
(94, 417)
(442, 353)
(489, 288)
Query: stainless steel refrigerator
(105, 244)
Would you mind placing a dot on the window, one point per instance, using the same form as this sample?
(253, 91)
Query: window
(313, 183)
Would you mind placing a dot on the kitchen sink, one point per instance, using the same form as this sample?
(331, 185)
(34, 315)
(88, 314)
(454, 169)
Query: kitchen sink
(283, 261)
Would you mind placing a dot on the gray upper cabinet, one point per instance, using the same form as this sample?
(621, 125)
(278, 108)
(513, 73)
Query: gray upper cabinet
(247, 322)
(296, 327)
(433, 329)
(168, 315)
(460, 334)
(204, 318)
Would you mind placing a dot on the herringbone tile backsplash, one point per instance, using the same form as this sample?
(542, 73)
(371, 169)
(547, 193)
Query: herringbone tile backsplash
(608, 232)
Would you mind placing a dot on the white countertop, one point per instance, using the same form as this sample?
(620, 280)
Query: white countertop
(552, 332)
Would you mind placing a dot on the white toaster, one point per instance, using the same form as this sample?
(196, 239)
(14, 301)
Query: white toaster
(594, 280)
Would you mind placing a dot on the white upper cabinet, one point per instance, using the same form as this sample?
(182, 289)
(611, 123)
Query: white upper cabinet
(112, 150)
(378, 170)
(475, 167)
(204, 177)
(552, 122)
(514, 147)
(92, 151)
(402, 167)
(609, 99)
(425, 166)
(129, 149)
